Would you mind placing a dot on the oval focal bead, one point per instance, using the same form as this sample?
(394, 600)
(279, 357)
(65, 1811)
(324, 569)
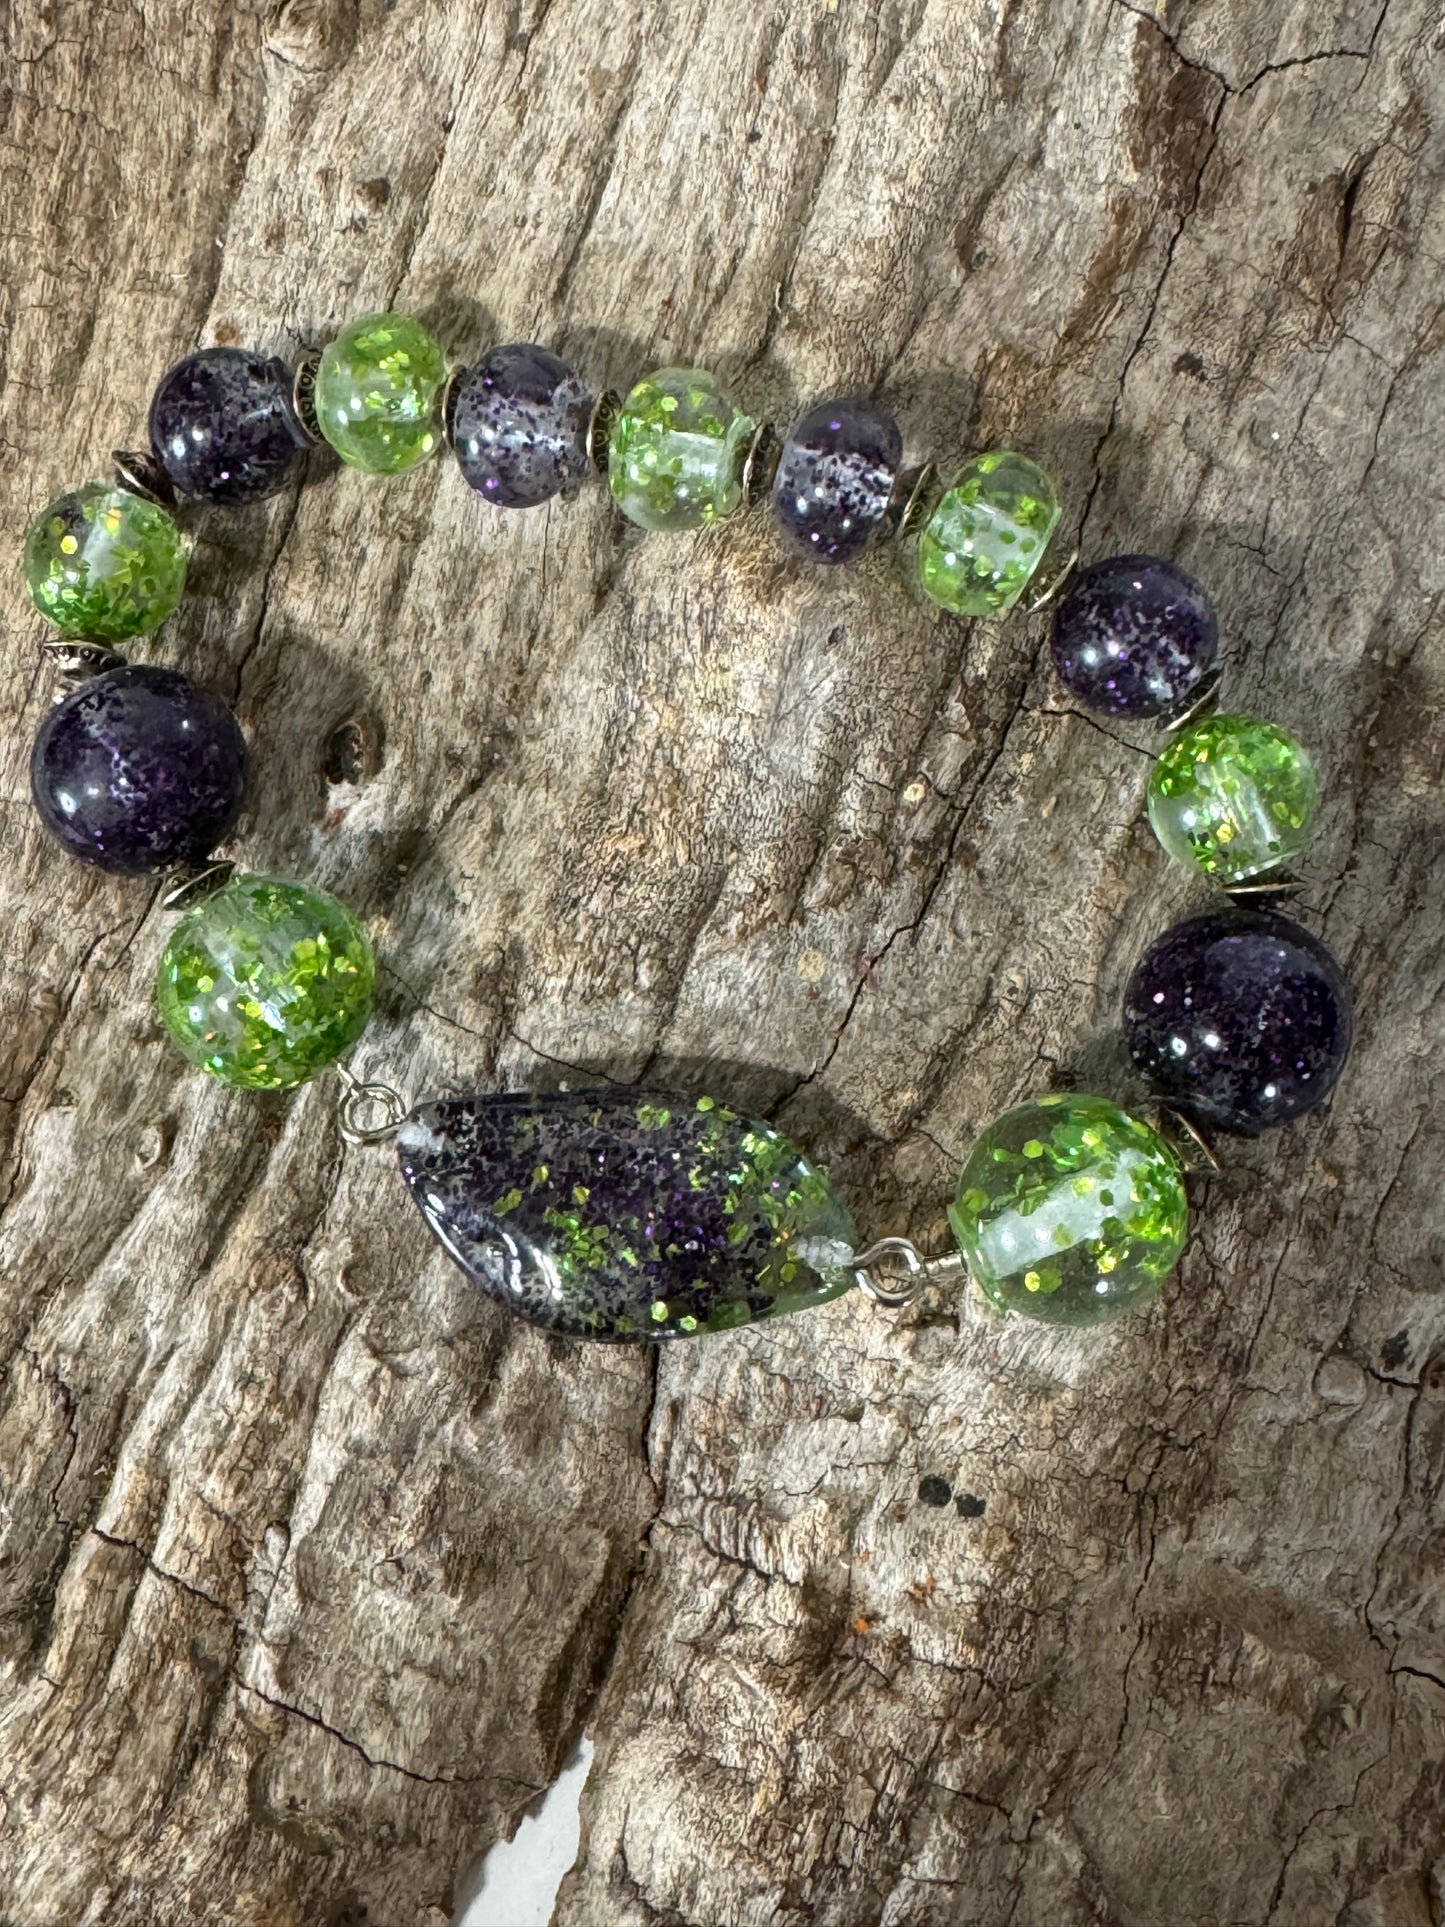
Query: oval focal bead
(519, 427)
(1134, 636)
(1240, 1017)
(980, 547)
(834, 478)
(104, 563)
(1070, 1210)
(1233, 797)
(265, 983)
(222, 428)
(376, 393)
(676, 452)
(626, 1216)
(139, 768)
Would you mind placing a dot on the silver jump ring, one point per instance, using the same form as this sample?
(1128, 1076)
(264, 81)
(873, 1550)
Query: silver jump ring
(873, 1280)
(368, 1113)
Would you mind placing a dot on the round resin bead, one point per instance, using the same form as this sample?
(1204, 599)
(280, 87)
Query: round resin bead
(222, 428)
(103, 563)
(519, 427)
(835, 477)
(1233, 797)
(1240, 1018)
(1070, 1210)
(265, 983)
(981, 545)
(1134, 636)
(376, 393)
(676, 453)
(138, 769)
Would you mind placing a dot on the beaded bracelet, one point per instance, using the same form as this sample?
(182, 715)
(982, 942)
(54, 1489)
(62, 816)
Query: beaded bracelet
(623, 1214)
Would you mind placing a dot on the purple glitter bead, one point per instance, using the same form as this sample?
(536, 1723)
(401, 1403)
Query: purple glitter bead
(138, 769)
(519, 426)
(1134, 636)
(621, 1215)
(222, 428)
(834, 478)
(1240, 1017)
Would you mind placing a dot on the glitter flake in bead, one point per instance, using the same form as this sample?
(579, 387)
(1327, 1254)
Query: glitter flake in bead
(103, 563)
(981, 545)
(1070, 1210)
(265, 983)
(626, 1217)
(1233, 797)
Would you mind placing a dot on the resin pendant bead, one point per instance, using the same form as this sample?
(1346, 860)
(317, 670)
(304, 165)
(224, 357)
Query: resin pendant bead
(377, 389)
(835, 477)
(1070, 1210)
(626, 1216)
(1233, 797)
(518, 426)
(138, 769)
(222, 428)
(1239, 1018)
(103, 563)
(676, 451)
(265, 983)
(979, 548)
(1134, 636)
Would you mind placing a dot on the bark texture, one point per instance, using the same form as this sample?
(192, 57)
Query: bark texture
(311, 1565)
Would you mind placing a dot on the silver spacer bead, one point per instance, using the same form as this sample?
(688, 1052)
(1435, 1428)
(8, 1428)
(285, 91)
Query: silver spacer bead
(760, 464)
(1041, 598)
(1203, 702)
(605, 410)
(191, 886)
(139, 473)
(1184, 1136)
(75, 662)
(916, 494)
(1268, 885)
(303, 396)
(449, 402)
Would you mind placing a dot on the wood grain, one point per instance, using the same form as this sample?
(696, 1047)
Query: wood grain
(311, 1566)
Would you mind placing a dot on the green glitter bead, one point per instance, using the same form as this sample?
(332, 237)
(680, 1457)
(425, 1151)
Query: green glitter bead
(1070, 1210)
(105, 563)
(676, 453)
(988, 534)
(1233, 797)
(376, 393)
(265, 983)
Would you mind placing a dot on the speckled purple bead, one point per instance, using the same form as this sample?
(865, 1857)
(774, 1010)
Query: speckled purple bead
(1239, 1017)
(222, 428)
(138, 769)
(518, 423)
(834, 478)
(1134, 636)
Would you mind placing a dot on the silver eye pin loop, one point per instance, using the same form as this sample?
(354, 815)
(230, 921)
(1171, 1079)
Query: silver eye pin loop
(368, 1113)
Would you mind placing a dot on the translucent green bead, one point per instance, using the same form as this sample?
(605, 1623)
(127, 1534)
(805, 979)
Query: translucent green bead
(1233, 797)
(376, 393)
(105, 563)
(1070, 1210)
(988, 534)
(266, 983)
(676, 453)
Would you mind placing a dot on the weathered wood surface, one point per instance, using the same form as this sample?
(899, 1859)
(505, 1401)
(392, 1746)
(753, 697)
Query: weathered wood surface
(313, 1567)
